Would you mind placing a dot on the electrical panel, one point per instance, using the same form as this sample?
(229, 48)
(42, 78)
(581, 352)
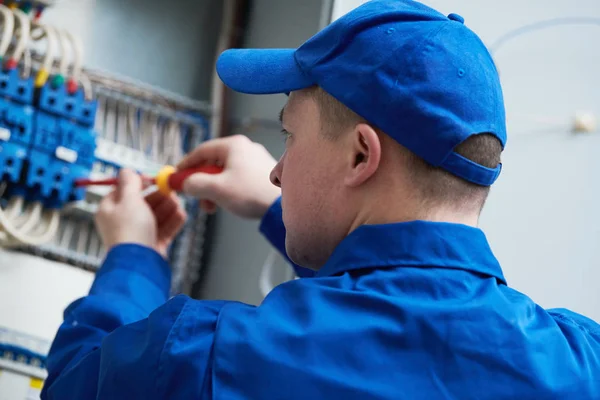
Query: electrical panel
(60, 122)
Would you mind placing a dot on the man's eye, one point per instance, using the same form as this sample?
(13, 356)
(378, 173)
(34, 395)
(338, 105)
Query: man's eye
(286, 134)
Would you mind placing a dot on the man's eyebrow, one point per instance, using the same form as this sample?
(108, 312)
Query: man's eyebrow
(281, 115)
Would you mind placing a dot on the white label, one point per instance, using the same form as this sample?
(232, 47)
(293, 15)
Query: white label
(4, 134)
(65, 154)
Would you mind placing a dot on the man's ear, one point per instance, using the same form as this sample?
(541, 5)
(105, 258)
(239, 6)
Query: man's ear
(365, 156)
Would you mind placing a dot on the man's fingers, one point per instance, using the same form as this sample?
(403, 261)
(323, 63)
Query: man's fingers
(172, 225)
(155, 198)
(208, 206)
(165, 209)
(204, 186)
(212, 152)
(129, 184)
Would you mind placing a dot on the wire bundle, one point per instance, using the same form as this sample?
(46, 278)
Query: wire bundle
(22, 222)
(146, 130)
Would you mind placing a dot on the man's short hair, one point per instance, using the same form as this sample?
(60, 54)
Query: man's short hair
(437, 186)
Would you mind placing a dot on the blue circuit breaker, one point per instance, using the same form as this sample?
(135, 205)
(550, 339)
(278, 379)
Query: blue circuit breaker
(15, 87)
(62, 146)
(16, 124)
(47, 140)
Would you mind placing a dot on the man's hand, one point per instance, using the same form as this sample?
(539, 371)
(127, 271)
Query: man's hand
(243, 187)
(125, 216)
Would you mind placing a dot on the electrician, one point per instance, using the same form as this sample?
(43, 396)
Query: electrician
(394, 127)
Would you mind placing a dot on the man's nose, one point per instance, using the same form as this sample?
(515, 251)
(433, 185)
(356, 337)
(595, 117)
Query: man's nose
(276, 172)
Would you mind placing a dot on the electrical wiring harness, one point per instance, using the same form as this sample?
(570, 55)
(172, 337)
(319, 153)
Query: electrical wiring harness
(46, 127)
(60, 122)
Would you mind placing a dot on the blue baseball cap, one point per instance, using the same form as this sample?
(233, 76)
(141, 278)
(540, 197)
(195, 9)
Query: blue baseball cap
(423, 78)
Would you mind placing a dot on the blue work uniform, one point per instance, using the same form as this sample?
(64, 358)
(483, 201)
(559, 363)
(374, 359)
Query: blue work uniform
(415, 310)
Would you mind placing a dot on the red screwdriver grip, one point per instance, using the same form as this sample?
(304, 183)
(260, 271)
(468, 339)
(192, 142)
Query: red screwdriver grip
(177, 178)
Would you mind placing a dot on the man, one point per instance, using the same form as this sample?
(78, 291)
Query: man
(394, 128)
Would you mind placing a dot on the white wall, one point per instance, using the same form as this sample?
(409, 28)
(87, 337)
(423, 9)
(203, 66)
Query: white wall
(542, 216)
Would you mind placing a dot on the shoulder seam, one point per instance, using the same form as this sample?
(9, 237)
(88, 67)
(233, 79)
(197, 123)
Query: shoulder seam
(586, 329)
(159, 370)
(212, 348)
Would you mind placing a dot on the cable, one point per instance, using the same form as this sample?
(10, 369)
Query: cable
(94, 245)
(22, 237)
(8, 27)
(84, 233)
(100, 115)
(536, 26)
(123, 136)
(173, 140)
(110, 120)
(30, 219)
(23, 38)
(63, 66)
(154, 137)
(73, 83)
(65, 240)
(15, 207)
(46, 67)
(52, 227)
(27, 64)
(86, 84)
(133, 124)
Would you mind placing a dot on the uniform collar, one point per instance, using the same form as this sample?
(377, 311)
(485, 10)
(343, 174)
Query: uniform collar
(414, 244)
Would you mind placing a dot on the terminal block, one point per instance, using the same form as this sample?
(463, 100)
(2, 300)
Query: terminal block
(16, 128)
(60, 147)
(57, 101)
(16, 88)
(51, 180)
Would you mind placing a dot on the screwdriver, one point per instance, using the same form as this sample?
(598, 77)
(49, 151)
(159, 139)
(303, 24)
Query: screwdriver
(167, 180)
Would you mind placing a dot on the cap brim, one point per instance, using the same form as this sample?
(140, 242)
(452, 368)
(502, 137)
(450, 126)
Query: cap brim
(263, 71)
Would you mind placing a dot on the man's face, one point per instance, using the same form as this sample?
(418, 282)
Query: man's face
(310, 174)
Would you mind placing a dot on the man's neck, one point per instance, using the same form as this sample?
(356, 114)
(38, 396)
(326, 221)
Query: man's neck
(387, 215)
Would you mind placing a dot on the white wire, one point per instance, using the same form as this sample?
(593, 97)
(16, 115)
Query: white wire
(65, 240)
(84, 233)
(28, 221)
(77, 55)
(94, 245)
(147, 129)
(27, 64)
(100, 115)
(109, 123)
(123, 136)
(50, 34)
(154, 136)
(130, 138)
(52, 227)
(46, 224)
(23, 33)
(15, 206)
(63, 67)
(174, 138)
(133, 123)
(8, 27)
(86, 84)
(34, 214)
(19, 237)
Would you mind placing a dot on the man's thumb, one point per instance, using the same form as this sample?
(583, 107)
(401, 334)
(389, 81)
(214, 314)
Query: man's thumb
(204, 186)
(129, 184)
